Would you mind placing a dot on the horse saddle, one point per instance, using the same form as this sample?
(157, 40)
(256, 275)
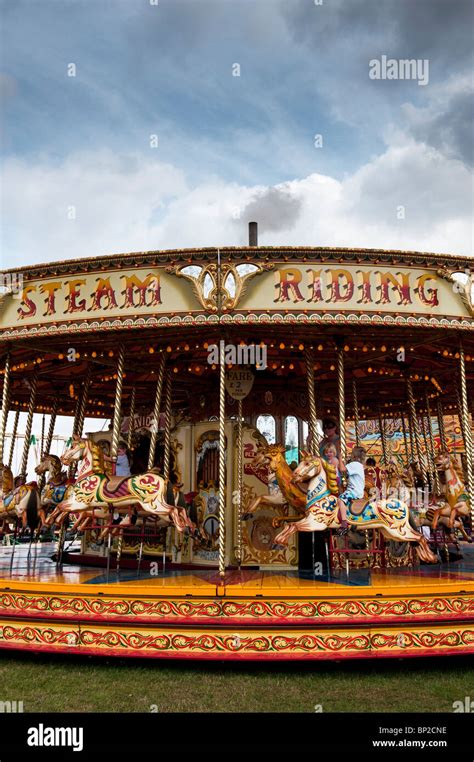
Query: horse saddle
(115, 482)
(357, 506)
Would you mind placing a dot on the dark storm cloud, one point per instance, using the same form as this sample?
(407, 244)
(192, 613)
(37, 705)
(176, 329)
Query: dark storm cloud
(449, 128)
(274, 209)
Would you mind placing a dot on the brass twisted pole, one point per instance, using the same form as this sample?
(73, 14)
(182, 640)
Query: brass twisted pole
(29, 424)
(460, 410)
(131, 418)
(341, 402)
(468, 443)
(356, 412)
(14, 432)
(442, 430)
(313, 416)
(81, 411)
(156, 412)
(5, 405)
(416, 430)
(222, 466)
(239, 482)
(43, 424)
(117, 404)
(383, 436)
(49, 438)
(405, 439)
(167, 453)
(436, 481)
(429, 461)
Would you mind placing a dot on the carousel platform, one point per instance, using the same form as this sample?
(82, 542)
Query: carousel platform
(249, 615)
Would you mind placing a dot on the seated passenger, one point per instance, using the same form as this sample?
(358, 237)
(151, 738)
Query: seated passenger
(355, 484)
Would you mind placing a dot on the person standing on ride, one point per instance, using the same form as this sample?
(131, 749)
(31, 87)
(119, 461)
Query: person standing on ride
(331, 436)
(330, 455)
(354, 469)
(122, 464)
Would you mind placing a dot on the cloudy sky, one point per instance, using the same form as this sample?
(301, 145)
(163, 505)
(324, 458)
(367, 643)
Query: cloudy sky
(155, 143)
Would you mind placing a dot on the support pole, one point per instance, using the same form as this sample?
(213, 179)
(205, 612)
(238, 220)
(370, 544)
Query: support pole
(49, 438)
(167, 454)
(416, 431)
(436, 481)
(405, 439)
(13, 442)
(313, 416)
(442, 430)
(468, 443)
(460, 410)
(156, 413)
(117, 404)
(81, 411)
(356, 412)
(131, 418)
(383, 437)
(222, 484)
(29, 424)
(341, 402)
(5, 405)
(239, 482)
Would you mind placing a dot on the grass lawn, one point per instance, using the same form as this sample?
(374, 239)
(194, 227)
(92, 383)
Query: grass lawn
(46, 683)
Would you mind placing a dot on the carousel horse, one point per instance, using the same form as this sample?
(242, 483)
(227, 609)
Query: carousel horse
(20, 504)
(93, 490)
(55, 489)
(390, 516)
(282, 489)
(457, 506)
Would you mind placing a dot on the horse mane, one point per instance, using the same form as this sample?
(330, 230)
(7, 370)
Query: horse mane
(331, 474)
(457, 468)
(7, 479)
(98, 462)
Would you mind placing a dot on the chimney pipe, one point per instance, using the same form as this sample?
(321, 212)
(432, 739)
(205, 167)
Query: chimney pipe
(253, 234)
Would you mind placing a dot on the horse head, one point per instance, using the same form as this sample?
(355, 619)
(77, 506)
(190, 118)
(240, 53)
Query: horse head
(443, 460)
(48, 462)
(75, 452)
(307, 469)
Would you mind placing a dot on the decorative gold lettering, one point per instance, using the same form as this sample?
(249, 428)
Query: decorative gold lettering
(335, 293)
(149, 284)
(103, 291)
(315, 290)
(289, 280)
(30, 310)
(389, 280)
(427, 295)
(74, 292)
(50, 301)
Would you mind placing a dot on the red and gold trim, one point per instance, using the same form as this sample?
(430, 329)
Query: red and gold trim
(249, 644)
(225, 611)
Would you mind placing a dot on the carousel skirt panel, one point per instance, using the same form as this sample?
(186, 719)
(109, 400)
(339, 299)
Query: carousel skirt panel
(253, 615)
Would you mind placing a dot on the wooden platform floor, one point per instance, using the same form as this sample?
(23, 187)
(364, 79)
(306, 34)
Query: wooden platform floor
(35, 567)
(249, 615)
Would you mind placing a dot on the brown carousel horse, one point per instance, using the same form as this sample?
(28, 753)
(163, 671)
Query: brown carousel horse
(55, 488)
(19, 504)
(282, 488)
(457, 505)
(390, 516)
(94, 493)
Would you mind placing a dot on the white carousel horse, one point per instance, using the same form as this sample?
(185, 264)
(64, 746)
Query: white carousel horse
(390, 516)
(94, 490)
(458, 504)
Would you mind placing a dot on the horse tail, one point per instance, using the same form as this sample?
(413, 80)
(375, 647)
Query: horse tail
(32, 516)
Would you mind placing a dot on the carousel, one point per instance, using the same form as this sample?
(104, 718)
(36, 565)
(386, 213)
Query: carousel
(201, 518)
